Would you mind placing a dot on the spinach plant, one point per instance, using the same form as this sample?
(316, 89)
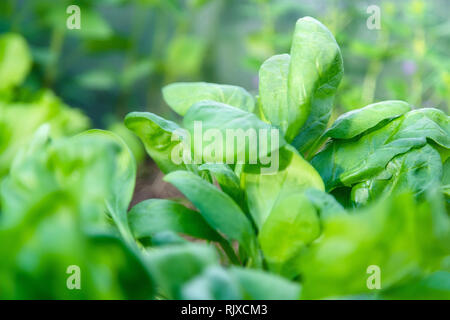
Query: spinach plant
(300, 222)
(369, 189)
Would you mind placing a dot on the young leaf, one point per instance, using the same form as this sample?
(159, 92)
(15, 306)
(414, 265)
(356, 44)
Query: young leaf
(273, 76)
(357, 121)
(156, 133)
(218, 209)
(315, 71)
(227, 124)
(181, 96)
(153, 216)
(346, 162)
(416, 170)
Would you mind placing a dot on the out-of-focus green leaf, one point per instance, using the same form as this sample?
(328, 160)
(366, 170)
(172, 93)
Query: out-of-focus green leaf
(433, 287)
(239, 283)
(153, 216)
(260, 285)
(173, 266)
(46, 108)
(325, 204)
(182, 95)
(123, 181)
(215, 283)
(15, 60)
(405, 239)
(53, 215)
(185, 55)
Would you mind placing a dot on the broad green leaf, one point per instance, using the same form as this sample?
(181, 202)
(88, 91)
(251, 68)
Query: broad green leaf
(263, 190)
(315, 71)
(346, 162)
(173, 266)
(224, 134)
(416, 170)
(357, 121)
(291, 225)
(273, 76)
(182, 95)
(427, 122)
(218, 209)
(157, 134)
(405, 239)
(15, 60)
(154, 216)
(260, 285)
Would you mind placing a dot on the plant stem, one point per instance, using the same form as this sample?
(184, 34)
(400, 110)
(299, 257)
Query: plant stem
(225, 245)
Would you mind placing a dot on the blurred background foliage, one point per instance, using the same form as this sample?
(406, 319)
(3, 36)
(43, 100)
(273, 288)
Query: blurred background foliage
(126, 50)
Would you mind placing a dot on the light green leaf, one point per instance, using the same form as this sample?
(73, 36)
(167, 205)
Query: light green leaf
(263, 190)
(182, 95)
(156, 133)
(15, 60)
(315, 71)
(229, 135)
(357, 121)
